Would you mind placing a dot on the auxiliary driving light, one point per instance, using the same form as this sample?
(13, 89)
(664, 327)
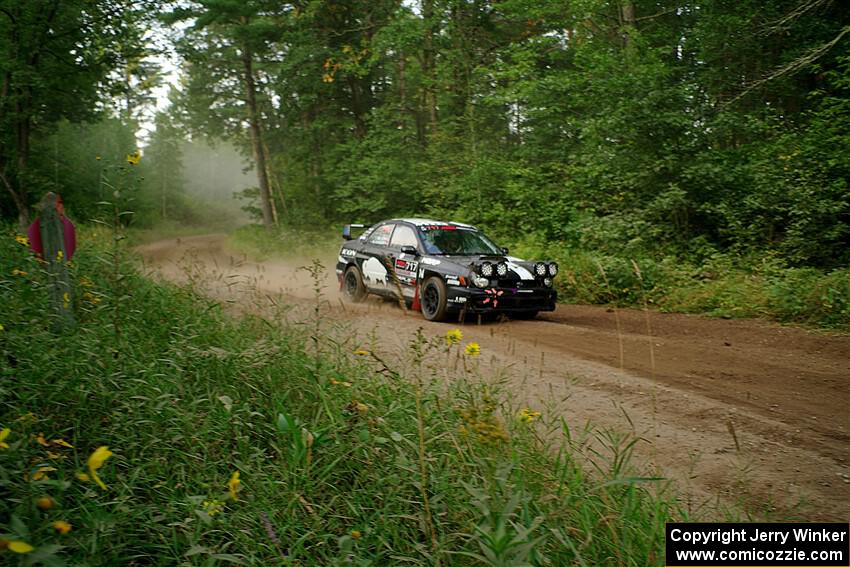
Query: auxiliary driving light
(486, 269)
(502, 269)
(553, 269)
(540, 269)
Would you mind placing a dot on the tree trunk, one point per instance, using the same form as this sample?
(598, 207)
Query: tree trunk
(272, 189)
(402, 90)
(627, 17)
(19, 200)
(257, 138)
(22, 143)
(429, 65)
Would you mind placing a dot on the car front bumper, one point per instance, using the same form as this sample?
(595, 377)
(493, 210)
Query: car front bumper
(500, 299)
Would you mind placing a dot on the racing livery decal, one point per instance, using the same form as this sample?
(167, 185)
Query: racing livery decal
(374, 272)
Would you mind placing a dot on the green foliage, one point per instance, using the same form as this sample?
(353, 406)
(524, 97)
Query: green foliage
(80, 161)
(328, 451)
(714, 283)
(60, 61)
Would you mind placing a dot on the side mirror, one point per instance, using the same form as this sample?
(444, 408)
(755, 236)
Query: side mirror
(505, 251)
(410, 250)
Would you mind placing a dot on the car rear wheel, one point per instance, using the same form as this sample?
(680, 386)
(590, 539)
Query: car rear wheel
(352, 285)
(433, 299)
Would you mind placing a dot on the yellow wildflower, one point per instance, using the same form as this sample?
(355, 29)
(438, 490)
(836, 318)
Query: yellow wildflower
(134, 158)
(2, 328)
(355, 534)
(233, 485)
(361, 352)
(472, 349)
(213, 507)
(3, 434)
(17, 272)
(22, 240)
(66, 300)
(41, 440)
(83, 476)
(20, 547)
(45, 503)
(59, 255)
(91, 298)
(41, 473)
(62, 527)
(328, 78)
(98, 158)
(454, 337)
(96, 461)
(527, 416)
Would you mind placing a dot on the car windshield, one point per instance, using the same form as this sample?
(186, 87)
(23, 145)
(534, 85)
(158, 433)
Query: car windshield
(454, 240)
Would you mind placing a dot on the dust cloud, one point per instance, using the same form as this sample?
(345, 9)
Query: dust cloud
(214, 173)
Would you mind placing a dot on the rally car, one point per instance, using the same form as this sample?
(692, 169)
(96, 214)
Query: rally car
(442, 268)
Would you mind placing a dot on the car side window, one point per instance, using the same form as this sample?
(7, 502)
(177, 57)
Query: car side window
(403, 236)
(381, 235)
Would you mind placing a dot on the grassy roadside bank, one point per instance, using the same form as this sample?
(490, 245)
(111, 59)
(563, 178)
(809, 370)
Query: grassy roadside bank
(240, 441)
(721, 286)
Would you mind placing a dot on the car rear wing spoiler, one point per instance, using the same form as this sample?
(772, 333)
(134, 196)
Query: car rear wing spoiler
(346, 230)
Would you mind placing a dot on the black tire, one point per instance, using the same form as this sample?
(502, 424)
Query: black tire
(352, 285)
(524, 315)
(432, 299)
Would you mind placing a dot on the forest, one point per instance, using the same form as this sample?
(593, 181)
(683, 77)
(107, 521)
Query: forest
(184, 390)
(709, 133)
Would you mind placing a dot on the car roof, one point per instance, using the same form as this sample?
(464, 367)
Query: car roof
(429, 222)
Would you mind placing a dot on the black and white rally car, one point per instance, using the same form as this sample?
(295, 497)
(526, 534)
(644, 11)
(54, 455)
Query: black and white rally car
(441, 268)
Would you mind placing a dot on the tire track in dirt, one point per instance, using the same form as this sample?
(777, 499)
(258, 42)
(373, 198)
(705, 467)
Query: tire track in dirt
(746, 413)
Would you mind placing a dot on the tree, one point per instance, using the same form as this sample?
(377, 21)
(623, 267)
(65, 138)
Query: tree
(226, 42)
(55, 56)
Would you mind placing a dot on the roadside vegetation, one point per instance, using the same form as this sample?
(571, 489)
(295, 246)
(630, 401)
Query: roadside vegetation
(162, 430)
(722, 285)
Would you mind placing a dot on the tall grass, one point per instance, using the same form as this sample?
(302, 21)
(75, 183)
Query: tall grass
(343, 458)
(284, 242)
(721, 285)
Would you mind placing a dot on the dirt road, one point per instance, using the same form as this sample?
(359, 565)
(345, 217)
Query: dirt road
(747, 414)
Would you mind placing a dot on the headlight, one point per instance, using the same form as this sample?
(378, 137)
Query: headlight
(553, 270)
(547, 282)
(502, 269)
(486, 270)
(540, 269)
(481, 282)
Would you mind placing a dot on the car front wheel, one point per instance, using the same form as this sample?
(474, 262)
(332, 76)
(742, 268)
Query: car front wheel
(352, 285)
(433, 299)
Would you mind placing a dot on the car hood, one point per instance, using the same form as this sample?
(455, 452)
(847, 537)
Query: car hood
(462, 264)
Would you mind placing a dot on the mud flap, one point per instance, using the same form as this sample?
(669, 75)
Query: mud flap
(415, 305)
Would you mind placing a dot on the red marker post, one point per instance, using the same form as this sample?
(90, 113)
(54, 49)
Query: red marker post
(53, 238)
